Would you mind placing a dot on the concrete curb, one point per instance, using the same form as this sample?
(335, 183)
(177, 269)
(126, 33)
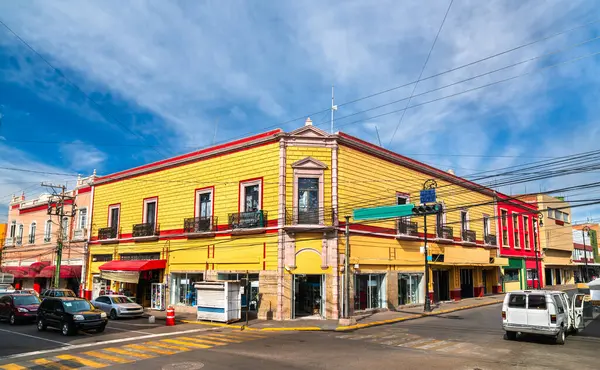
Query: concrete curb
(350, 327)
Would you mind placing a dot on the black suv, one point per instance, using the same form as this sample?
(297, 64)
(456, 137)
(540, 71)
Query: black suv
(58, 293)
(69, 315)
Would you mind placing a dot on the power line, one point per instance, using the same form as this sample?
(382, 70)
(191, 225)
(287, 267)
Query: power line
(422, 70)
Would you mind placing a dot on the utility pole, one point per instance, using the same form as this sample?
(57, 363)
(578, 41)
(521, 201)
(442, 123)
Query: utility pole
(347, 271)
(427, 307)
(333, 108)
(585, 229)
(58, 208)
(537, 246)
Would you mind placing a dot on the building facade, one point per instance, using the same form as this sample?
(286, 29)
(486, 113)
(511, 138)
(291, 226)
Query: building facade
(518, 231)
(29, 251)
(271, 209)
(585, 246)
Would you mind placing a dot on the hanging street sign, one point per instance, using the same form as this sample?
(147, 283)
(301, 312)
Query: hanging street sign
(378, 213)
(427, 196)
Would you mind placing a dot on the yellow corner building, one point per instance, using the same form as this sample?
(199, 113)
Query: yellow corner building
(271, 208)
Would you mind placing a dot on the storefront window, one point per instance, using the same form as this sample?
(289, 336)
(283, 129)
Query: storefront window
(369, 291)
(511, 275)
(182, 288)
(410, 289)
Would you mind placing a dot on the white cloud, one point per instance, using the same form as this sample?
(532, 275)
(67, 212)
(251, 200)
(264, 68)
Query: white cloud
(81, 156)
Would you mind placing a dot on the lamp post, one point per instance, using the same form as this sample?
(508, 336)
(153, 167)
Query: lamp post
(586, 229)
(427, 185)
(536, 252)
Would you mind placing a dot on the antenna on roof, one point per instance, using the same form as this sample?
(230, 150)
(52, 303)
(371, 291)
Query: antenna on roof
(378, 138)
(333, 108)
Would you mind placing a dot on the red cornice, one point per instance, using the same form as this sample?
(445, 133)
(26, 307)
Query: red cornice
(233, 146)
(87, 189)
(41, 207)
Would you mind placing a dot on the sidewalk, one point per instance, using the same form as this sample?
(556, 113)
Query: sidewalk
(363, 320)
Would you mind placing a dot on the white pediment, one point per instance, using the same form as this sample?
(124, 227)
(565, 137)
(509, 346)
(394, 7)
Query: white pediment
(309, 163)
(308, 131)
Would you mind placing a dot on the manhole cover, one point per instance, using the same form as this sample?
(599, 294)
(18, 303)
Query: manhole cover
(184, 366)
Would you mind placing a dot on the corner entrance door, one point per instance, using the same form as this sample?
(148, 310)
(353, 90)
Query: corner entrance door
(441, 285)
(307, 296)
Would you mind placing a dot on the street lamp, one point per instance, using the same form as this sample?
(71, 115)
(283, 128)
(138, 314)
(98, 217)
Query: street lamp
(586, 229)
(429, 184)
(536, 252)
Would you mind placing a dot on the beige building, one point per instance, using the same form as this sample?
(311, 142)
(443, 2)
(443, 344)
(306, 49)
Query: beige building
(29, 251)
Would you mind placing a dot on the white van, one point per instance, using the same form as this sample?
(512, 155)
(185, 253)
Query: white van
(549, 313)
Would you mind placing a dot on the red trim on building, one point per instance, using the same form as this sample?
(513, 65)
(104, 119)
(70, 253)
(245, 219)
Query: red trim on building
(66, 272)
(455, 294)
(42, 207)
(139, 265)
(559, 222)
(87, 189)
(478, 291)
(14, 206)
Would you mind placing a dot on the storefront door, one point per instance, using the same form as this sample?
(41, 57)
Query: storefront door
(441, 285)
(307, 293)
(409, 288)
(466, 283)
(369, 291)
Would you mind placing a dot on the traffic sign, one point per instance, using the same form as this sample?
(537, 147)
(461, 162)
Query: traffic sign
(428, 196)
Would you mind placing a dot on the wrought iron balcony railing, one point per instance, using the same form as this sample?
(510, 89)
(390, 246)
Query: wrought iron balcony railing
(445, 232)
(107, 233)
(490, 239)
(200, 224)
(248, 220)
(145, 229)
(406, 227)
(308, 216)
(469, 236)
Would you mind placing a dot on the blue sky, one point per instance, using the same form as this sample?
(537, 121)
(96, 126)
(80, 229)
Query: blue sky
(173, 71)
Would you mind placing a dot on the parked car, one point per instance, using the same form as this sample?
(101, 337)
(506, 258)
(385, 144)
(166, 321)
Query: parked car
(27, 291)
(58, 293)
(19, 307)
(70, 315)
(118, 306)
(548, 313)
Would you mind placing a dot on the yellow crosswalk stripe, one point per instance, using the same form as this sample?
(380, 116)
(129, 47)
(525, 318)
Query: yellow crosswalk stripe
(82, 361)
(104, 356)
(251, 335)
(150, 349)
(182, 343)
(128, 353)
(169, 346)
(12, 367)
(426, 343)
(221, 338)
(205, 341)
(48, 363)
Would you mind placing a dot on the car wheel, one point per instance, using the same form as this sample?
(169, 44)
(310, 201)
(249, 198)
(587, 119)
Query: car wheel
(12, 319)
(66, 329)
(101, 329)
(113, 314)
(560, 338)
(510, 335)
(41, 326)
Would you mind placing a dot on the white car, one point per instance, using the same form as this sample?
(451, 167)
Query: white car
(117, 306)
(549, 313)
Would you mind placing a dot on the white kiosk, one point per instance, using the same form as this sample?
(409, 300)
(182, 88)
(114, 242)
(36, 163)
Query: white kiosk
(219, 301)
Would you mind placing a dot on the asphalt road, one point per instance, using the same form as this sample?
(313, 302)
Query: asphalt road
(471, 339)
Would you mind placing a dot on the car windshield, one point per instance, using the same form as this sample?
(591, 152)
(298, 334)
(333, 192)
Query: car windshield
(77, 306)
(64, 293)
(120, 300)
(23, 300)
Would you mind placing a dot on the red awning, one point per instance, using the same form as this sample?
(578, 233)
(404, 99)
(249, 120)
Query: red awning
(66, 272)
(139, 265)
(36, 267)
(19, 272)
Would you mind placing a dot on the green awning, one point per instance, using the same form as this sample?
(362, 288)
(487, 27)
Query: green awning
(516, 263)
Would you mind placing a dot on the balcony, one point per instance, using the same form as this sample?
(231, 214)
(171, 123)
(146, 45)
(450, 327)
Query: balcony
(469, 236)
(80, 234)
(490, 239)
(145, 231)
(244, 221)
(19, 240)
(445, 232)
(308, 217)
(199, 226)
(408, 228)
(107, 234)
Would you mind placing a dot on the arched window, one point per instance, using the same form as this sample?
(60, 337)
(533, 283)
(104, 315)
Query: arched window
(32, 228)
(65, 228)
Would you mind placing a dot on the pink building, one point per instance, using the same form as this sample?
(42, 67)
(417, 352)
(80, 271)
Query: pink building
(32, 237)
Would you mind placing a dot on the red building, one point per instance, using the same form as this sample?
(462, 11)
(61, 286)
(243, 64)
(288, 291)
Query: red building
(518, 240)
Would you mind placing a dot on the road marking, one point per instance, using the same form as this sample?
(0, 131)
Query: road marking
(215, 343)
(12, 367)
(128, 353)
(427, 343)
(104, 356)
(101, 343)
(83, 361)
(439, 345)
(52, 364)
(182, 343)
(127, 330)
(155, 350)
(165, 345)
(411, 344)
(222, 338)
(33, 336)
